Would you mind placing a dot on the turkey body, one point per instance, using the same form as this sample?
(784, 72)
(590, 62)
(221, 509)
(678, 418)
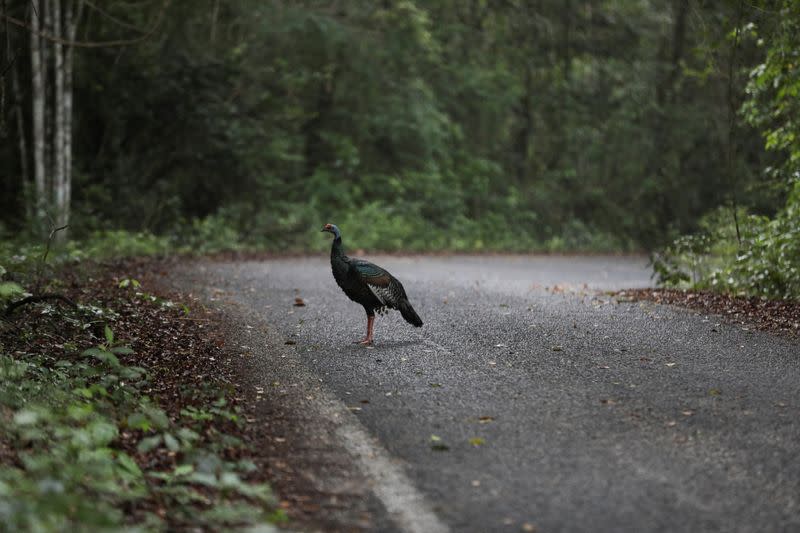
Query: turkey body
(369, 285)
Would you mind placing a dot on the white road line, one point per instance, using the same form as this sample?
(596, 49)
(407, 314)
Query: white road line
(405, 504)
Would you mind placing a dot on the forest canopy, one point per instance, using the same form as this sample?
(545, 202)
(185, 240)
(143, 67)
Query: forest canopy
(464, 125)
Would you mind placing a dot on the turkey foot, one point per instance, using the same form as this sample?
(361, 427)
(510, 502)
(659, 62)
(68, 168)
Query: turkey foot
(367, 341)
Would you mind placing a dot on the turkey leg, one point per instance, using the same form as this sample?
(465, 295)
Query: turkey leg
(368, 339)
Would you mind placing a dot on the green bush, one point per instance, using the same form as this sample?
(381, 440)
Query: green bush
(82, 441)
(766, 263)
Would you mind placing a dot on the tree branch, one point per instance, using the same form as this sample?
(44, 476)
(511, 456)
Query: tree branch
(91, 44)
(39, 298)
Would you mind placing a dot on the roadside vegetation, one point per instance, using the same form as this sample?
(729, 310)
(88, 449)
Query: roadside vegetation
(116, 409)
(735, 249)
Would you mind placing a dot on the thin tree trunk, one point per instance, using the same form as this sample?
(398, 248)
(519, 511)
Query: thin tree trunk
(59, 182)
(47, 52)
(23, 145)
(6, 63)
(214, 16)
(522, 139)
(72, 18)
(38, 97)
(566, 45)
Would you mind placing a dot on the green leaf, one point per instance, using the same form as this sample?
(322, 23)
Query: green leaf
(183, 470)
(149, 443)
(104, 356)
(101, 433)
(437, 444)
(122, 350)
(129, 464)
(172, 443)
(26, 417)
(9, 289)
(139, 421)
(158, 417)
(109, 334)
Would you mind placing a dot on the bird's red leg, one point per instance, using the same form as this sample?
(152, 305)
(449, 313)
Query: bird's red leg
(368, 339)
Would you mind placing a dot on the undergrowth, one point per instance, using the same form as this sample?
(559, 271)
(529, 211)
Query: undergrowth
(106, 425)
(762, 260)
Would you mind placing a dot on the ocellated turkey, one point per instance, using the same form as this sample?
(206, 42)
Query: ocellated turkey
(369, 285)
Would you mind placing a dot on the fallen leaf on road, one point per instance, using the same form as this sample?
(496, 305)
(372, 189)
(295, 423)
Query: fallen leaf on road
(670, 364)
(557, 348)
(671, 423)
(485, 419)
(607, 401)
(435, 385)
(298, 302)
(477, 441)
(714, 392)
(437, 444)
(528, 527)
(687, 412)
(290, 342)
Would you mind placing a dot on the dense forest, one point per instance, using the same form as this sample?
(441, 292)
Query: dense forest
(438, 124)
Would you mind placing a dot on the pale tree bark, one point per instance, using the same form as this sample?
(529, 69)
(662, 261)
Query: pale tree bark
(59, 181)
(47, 58)
(38, 97)
(214, 16)
(71, 19)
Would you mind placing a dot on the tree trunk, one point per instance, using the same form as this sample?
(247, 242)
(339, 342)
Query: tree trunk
(38, 97)
(214, 16)
(72, 17)
(522, 139)
(47, 53)
(566, 47)
(59, 182)
(30, 212)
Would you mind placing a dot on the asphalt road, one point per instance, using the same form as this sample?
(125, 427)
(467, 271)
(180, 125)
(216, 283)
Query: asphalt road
(561, 408)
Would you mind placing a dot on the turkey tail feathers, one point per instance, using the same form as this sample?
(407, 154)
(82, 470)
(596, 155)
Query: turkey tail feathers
(409, 314)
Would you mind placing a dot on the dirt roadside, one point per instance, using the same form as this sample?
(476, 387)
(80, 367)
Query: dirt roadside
(294, 445)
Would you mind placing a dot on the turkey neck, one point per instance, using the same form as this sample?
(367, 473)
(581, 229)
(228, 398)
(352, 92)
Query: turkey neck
(338, 259)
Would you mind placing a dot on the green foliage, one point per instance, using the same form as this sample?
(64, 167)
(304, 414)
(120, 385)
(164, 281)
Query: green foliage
(421, 125)
(118, 243)
(66, 465)
(766, 264)
(773, 103)
(769, 264)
